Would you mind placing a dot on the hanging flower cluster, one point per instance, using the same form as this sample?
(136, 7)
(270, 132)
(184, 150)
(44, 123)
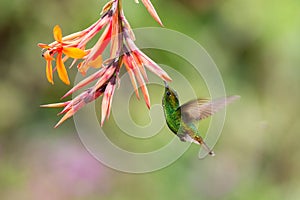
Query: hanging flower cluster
(123, 51)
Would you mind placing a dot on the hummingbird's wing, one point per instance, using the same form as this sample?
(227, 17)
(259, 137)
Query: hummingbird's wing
(202, 108)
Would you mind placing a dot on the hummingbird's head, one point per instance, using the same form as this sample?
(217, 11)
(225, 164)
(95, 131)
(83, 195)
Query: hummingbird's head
(170, 96)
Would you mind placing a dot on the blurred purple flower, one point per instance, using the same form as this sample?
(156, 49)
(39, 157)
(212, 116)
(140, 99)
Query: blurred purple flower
(65, 171)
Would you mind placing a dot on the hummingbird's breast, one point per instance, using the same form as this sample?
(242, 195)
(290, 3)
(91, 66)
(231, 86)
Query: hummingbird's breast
(173, 119)
(172, 110)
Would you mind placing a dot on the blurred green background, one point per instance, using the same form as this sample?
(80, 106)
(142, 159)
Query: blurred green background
(255, 44)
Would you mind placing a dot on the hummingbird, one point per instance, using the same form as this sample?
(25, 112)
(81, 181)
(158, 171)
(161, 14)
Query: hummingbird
(181, 118)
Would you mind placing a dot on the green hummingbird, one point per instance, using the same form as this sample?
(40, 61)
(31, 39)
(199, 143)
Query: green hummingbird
(181, 118)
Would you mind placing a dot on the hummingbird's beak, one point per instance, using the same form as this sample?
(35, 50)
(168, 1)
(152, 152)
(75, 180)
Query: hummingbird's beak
(166, 84)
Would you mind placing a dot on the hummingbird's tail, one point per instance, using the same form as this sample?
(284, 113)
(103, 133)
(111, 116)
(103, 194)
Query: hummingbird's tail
(201, 141)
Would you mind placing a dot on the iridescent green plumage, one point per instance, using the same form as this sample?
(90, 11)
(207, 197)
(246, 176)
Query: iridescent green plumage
(180, 118)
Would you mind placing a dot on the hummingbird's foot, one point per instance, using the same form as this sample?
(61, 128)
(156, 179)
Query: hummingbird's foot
(201, 142)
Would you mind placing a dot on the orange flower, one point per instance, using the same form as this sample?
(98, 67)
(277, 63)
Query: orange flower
(59, 48)
(123, 51)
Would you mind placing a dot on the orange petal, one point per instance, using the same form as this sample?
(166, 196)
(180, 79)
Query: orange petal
(146, 95)
(140, 65)
(101, 44)
(55, 105)
(74, 52)
(57, 34)
(106, 101)
(152, 11)
(129, 29)
(132, 77)
(108, 72)
(47, 56)
(72, 109)
(106, 7)
(82, 68)
(142, 84)
(139, 77)
(95, 28)
(69, 114)
(114, 36)
(85, 82)
(61, 70)
(44, 46)
(49, 72)
(152, 66)
(96, 63)
(73, 63)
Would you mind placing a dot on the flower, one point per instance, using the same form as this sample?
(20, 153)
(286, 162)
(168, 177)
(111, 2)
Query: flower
(60, 47)
(151, 10)
(105, 85)
(118, 33)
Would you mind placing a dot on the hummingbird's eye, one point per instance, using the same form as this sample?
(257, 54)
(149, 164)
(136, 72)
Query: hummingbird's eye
(168, 93)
